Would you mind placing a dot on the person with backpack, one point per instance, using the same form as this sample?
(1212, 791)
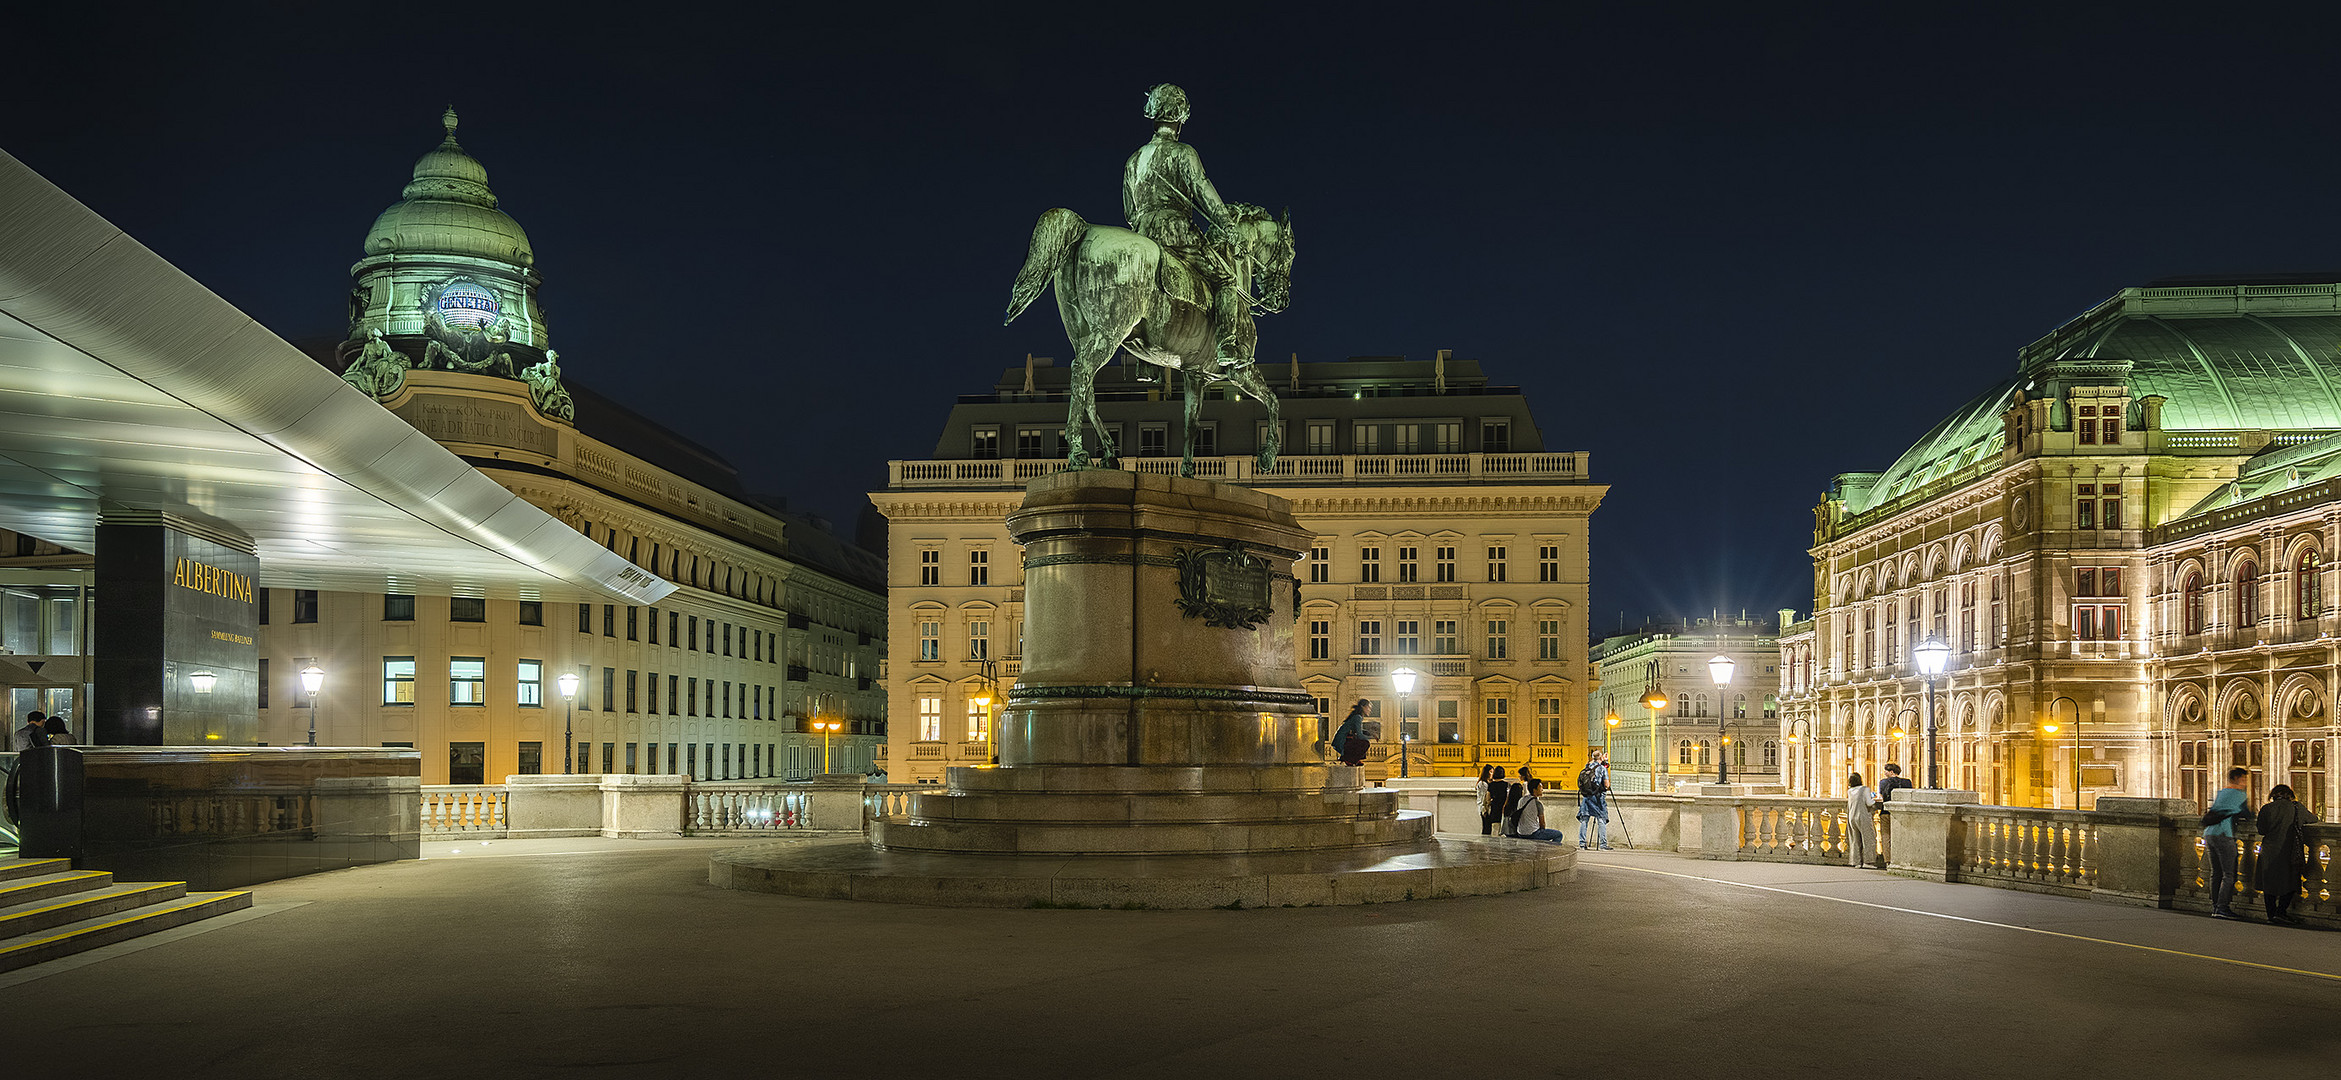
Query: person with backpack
(1519, 790)
(1593, 799)
(1494, 793)
(1528, 821)
(1349, 740)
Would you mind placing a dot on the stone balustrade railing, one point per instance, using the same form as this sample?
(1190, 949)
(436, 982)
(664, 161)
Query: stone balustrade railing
(453, 810)
(2022, 848)
(642, 806)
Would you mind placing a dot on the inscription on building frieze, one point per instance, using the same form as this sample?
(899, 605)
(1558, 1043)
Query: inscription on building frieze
(489, 423)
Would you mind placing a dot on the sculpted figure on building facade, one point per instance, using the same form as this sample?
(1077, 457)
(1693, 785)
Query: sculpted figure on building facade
(1171, 295)
(379, 369)
(545, 389)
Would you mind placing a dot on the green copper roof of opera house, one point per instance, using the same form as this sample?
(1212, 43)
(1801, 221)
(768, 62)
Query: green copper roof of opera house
(2259, 352)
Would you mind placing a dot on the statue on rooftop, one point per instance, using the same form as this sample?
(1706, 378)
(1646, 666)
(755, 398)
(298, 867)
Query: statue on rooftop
(545, 389)
(1171, 295)
(379, 369)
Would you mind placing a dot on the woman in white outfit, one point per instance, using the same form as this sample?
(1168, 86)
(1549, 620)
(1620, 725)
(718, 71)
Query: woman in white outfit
(1861, 828)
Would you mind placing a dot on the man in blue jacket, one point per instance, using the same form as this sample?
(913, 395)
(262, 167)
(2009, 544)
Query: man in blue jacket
(2219, 842)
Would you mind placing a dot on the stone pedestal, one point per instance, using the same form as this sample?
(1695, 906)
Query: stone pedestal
(2140, 843)
(640, 805)
(1158, 710)
(561, 804)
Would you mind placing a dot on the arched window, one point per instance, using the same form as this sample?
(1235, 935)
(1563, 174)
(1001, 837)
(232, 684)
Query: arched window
(1706, 752)
(1739, 755)
(1682, 751)
(1699, 705)
(2247, 594)
(2308, 598)
(2191, 605)
(1771, 754)
(1739, 706)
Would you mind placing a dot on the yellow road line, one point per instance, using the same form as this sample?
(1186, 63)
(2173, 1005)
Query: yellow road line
(1977, 922)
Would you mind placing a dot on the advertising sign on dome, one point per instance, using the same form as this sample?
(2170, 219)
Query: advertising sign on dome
(466, 306)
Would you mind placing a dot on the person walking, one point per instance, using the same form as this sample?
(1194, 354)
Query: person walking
(1593, 800)
(1861, 833)
(2219, 842)
(2283, 853)
(1349, 740)
(1493, 800)
(1528, 824)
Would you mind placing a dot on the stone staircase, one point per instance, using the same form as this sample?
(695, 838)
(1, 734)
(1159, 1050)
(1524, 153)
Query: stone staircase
(49, 910)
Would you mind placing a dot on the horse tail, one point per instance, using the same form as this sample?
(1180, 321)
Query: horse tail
(1053, 239)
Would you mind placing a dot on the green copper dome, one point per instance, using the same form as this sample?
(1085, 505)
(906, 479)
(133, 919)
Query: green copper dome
(447, 209)
(2255, 353)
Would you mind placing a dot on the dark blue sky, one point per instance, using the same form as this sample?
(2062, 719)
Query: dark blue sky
(1731, 251)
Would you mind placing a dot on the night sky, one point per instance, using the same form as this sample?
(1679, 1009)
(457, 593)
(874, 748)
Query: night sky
(1731, 252)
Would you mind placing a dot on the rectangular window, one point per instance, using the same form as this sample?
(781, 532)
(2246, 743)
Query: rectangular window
(1320, 437)
(1031, 442)
(1943, 613)
(398, 607)
(531, 694)
(2085, 582)
(532, 759)
(1499, 639)
(585, 618)
(1548, 639)
(609, 757)
(2085, 426)
(1369, 637)
(2109, 510)
(398, 680)
(633, 624)
(727, 639)
(692, 626)
(467, 762)
(1409, 637)
(1443, 637)
(609, 689)
(691, 697)
(727, 699)
(674, 682)
(1446, 563)
(633, 757)
(609, 620)
(979, 639)
(1548, 562)
(1496, 557)
(264, 606)
(654, 626)
(1407, 438)
(463, 608)
(1320, 565)
(1369, 564)
(532, 613)
(983, 443)
(653, 695)
(304, 605)
(263, 703)
(930, 641)
(1320, 639)
(1450, 438)
(674, 630)
(632, 677)
(2112, 430)
(1495, 436)
(1153, 440)
(1548, 720)
(1406, 564)
(979, 567)
(1497, 720)
(930, 719)
(1206, 440)
(2085, 507)
(1365, 438)
(1997, 626)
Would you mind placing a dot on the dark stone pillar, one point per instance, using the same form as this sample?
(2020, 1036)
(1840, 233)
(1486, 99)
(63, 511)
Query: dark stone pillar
(175, 600)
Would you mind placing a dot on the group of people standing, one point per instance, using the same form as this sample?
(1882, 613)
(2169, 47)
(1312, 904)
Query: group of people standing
(2283, 823)
(1518, 805)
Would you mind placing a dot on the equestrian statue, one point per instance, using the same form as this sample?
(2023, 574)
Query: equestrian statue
(1174, 296)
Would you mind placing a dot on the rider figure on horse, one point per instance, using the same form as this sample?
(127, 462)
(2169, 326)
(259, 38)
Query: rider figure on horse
(1163, 192)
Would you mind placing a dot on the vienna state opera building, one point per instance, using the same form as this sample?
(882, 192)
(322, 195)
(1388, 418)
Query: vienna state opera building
(2124, 544)
(1449, 540)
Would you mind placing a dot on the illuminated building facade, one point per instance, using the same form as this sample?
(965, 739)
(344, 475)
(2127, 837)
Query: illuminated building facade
(1683, 742)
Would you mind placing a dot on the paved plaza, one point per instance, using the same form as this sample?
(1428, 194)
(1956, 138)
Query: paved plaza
(615, 958)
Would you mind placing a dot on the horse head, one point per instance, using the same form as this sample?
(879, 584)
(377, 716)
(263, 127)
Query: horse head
(1268, 247)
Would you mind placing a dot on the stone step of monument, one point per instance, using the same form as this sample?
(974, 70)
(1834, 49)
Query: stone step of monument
(12, 869)
(1094, 838)
(28, 889)
(1233, 808)
(20, 919)
(1133, 779)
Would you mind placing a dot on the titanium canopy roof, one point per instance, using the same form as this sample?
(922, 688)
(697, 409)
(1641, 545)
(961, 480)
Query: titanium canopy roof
(125, 385)
(2264, 356)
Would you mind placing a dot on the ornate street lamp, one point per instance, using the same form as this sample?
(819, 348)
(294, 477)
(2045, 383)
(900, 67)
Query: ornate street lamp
(1402, 680)
(568, 684)
(1654, 699)
(1720, 669)
(2051, 728)
(832, 727)
(312, 680)
(1931, 655)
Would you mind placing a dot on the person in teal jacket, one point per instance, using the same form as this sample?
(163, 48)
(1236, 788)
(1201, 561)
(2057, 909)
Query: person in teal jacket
(2219, 842)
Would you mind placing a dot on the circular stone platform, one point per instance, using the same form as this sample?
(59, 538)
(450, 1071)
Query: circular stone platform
(851, 869)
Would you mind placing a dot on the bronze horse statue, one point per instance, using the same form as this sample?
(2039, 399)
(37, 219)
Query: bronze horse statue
(1118, 290)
